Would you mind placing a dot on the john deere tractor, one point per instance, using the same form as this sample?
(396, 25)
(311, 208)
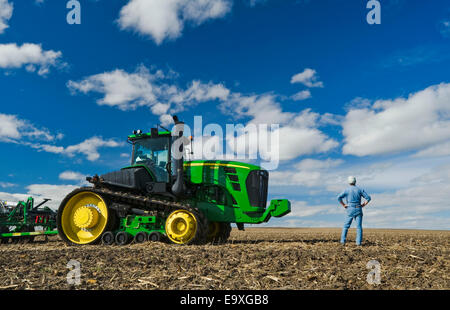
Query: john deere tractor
(162, 197)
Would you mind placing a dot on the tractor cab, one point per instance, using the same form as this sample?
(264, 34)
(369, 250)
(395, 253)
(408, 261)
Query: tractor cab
(152, 152)
(152, 169)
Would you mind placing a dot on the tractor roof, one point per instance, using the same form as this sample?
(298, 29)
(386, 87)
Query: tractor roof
(154, 134)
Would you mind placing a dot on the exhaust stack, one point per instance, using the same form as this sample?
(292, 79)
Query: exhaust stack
(178, 187)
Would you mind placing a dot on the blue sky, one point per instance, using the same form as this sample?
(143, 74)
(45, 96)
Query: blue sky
(351, 98)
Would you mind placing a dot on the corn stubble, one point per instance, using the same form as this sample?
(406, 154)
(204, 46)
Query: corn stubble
(258, 258)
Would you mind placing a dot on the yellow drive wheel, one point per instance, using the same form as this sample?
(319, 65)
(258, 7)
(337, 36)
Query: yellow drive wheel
(82, 217)
(181, 226)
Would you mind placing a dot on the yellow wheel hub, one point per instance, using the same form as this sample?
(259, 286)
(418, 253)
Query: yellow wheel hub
(181, 226)
(84, 218)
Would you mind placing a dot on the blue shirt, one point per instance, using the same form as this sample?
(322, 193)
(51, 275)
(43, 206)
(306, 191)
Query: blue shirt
(353, 196)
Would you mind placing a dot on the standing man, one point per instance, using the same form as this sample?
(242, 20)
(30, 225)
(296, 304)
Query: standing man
(354, 207)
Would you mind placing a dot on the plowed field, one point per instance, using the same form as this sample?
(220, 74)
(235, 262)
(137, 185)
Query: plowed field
(257, 258)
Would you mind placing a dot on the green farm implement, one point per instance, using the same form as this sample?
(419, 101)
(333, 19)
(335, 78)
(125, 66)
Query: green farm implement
(24, 221)
(161, 196)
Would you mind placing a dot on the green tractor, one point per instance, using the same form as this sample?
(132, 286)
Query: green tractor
(162, 197)
(22, 222)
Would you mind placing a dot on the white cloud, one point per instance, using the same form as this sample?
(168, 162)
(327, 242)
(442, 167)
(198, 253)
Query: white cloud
(9, 127)
(305, 209)
(330, 119)
(358, 103)
(262, 109)
(200, 92)
(404, 124)
(253, 3)
(46, 148)
(316, 164)
(308, 172)
(308, 78)
(40, 191)
(444, 28)
(406, 192)
(7, 184)
(442, 149)
(330, 175)
(30, 56)
(6, 10)
(72, 176)
(295, 142)
(12, 129)
(417, 206)
(13, 198)
(19, 131)
(298, 133)
(88, 147)
(165, 19)
(121, 89)
(54, 192)
(301, 95)
(128, 91)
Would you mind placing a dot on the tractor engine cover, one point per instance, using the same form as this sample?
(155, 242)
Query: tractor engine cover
(132, 178)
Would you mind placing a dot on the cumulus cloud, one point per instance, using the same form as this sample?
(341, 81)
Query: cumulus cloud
(78, 177)
(422, 120)
(308, 78)
(308, 172)
(121, 89)
(29, 56)
(298, 133)
(406, 192)
(13, 128)
(40, 191)
(89, 147)
(155, 90)
(305, 209)
(7, 184)
(417, 206)
(54, 192)
(309, 164)
(261, 109)
(441, 149)
(301, 95)
(6, 10)
(19, 131)
(165, 19)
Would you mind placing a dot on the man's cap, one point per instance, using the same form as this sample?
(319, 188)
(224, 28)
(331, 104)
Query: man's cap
(351, 180)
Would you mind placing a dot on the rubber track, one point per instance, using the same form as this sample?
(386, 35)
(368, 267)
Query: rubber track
(156, 204)
(225, 233)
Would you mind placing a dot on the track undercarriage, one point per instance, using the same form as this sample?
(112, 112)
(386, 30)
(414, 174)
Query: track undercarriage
(136, 217)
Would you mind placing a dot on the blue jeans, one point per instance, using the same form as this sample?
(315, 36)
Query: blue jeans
(348, 223)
